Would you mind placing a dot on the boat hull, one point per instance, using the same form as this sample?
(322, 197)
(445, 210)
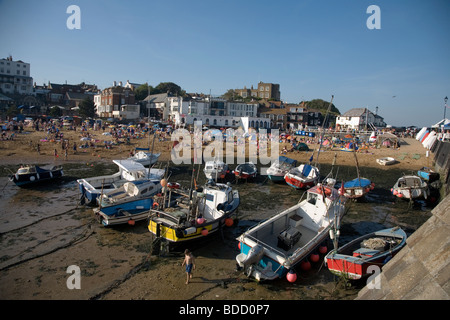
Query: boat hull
(35, 178)
(362, 262)
(127, 212)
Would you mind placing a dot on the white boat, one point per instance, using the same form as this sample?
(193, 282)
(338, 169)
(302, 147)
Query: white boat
(302, 176)
(91, 188)
(410, 187)
(145, 158)
(275, 246)
(280, 167)
(386, 161)
(215, 169)
(131, 190)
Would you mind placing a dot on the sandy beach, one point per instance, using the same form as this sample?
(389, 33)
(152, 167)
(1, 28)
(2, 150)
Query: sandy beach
(43, 232)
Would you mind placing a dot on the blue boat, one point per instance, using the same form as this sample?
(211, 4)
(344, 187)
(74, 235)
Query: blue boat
(280, 167)
(357, 187)
(31, 175)
(125, 212)
(428, 174)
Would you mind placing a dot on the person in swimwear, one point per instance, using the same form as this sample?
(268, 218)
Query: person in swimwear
(189, 261)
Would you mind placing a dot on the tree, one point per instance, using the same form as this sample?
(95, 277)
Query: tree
(87, 108)
(169, 87)
(322, 105)
(143, 91)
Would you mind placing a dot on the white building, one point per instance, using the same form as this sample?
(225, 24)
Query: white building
(15, 77)
(358, 119)
(127, 111)
(212, 112)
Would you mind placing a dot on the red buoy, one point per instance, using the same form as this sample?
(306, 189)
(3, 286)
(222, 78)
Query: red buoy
(200, 220)
(323, 249)
(291, 276)
(305, 265)
(314, 257)
(204, 232)
(228, 222)
(131, 222)
(239, 245)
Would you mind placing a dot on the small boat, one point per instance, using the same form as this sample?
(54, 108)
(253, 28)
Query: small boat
(357, 188)
(410, 187)
(302, 176)
(280, 167)
(124, 212)
(428, 174)
(179, 216)
(131, 190)
(245, 170)
(374, 249)
(28, 175)
(215, 169)
(145, 158)
(275, 246)
(386, 161)
(129, 170)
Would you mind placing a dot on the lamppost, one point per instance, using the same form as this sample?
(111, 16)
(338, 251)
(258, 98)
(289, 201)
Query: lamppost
(445, 106)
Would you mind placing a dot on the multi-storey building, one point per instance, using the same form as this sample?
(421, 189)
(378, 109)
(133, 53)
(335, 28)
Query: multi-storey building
(109, 101)
(15, 77)
(268, 91)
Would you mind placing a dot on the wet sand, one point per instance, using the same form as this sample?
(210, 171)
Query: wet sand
(44, 231)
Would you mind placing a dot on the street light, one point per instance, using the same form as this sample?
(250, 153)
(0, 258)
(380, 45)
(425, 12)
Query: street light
(445, 106)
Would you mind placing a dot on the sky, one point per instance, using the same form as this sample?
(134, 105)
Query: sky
(313, 48)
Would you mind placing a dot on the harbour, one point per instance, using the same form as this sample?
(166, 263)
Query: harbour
(45, 231)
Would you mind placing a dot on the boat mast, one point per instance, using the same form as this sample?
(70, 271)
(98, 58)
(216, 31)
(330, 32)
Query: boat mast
(323, 130)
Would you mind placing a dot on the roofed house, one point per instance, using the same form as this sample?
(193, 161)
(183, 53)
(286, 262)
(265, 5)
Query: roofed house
(359, 119)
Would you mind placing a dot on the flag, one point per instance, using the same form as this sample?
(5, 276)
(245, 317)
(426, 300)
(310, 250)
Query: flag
(311, 159)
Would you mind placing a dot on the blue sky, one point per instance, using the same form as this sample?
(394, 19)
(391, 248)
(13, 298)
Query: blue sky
(312, 48)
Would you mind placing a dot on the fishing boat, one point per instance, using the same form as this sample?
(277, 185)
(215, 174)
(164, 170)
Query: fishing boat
(145, 158)
(428, 174)
(280, 167)
(245, 171)
(357, 188)
(28, 175)
(179, 216)
(124, 212)
(354, 259)
(275, 246)
(129, 170)
(302, 176)
(215, 169)
(131, 190)
(410, 187)
(386, 161)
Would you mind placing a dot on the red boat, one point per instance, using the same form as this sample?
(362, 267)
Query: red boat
(245, 170)
(374, 249)
(302, 176)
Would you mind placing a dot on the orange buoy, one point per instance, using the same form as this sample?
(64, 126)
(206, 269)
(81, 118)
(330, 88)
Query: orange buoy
(291, 276)
(131, 222)
(229, 222)
(239, 245)
(163, 182)
(155, 205)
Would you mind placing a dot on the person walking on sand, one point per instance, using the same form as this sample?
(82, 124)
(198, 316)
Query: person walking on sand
(189, 261)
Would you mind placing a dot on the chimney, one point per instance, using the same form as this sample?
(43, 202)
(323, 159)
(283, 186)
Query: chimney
(114, 84)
